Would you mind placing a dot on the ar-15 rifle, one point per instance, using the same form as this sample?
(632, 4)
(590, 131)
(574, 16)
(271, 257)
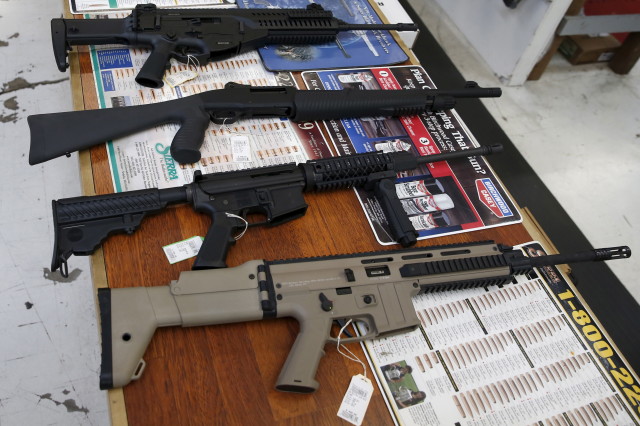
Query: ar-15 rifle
(202, 35)
(81, 224)
(375, 288)
(53, 135)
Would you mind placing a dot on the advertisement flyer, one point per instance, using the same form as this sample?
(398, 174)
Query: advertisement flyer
(528, 352)
(439, 198)
(350, 48)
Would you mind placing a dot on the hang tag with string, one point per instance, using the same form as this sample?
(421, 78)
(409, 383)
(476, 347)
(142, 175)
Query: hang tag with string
(356, 400)
(246, 225)
(240, 144)
(240, 149)
(182, 250)
(180, 77)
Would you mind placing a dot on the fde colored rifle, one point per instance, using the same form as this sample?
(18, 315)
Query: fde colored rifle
(374, 288)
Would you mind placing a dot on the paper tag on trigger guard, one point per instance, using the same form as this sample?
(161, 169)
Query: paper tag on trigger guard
(240, 149)
(356, 400)
(176, 79)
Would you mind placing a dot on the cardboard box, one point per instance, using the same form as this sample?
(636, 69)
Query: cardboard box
(583, 49)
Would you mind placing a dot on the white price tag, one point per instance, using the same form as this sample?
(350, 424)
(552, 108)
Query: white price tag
(180, 77)
(241, 149)
(356, 400)
(183, 250)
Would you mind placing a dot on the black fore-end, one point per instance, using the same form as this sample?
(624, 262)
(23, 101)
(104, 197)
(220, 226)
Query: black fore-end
(349, 171)
(106, 362)
(333, 104)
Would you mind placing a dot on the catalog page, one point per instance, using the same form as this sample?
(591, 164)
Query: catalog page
(143, 160)
(441, 198)
(524, 353)
(350, 49)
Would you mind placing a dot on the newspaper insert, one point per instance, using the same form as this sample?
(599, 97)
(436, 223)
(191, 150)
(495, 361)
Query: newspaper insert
(526, 353)
(440, 198)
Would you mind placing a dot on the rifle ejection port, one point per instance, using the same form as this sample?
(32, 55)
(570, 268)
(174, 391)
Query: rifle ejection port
(377, 271)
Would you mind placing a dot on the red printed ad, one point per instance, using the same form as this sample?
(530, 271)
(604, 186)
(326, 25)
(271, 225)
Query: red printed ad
(440, 198)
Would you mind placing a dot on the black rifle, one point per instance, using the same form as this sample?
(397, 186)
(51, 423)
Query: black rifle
(54, 135)
(82, 223)
(202, 35)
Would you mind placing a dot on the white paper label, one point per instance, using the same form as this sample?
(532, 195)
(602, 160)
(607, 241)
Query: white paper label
(183, 250)
(176, 79)
(356, 400)
(240, 149)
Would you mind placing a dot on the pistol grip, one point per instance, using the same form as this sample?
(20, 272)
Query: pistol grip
(153, 69)
(216, 244)
(401, 228)
(185, 147)
(299, 370)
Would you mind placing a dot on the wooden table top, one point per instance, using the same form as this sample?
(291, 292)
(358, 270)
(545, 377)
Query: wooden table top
(226, 374)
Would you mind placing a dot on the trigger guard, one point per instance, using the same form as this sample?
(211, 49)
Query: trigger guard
(220, 120)
(359, 338)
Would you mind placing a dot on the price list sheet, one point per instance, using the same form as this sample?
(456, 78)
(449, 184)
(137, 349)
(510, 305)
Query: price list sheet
(528, 352)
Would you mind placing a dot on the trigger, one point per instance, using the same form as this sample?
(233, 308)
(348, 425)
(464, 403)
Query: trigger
(224, 117)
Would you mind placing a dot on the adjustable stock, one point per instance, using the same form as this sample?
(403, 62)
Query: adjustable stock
(81, 224)
(73, 32)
